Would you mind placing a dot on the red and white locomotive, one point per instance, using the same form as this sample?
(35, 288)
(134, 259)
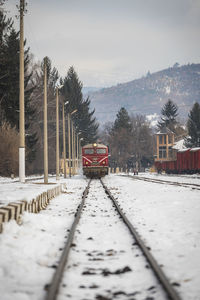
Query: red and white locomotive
(95, 160)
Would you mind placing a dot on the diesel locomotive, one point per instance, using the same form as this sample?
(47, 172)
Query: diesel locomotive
(95, 160)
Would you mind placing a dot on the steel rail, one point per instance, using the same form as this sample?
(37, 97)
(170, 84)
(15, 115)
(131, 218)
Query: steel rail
(170, 291)
(53, 288)
(193, 186)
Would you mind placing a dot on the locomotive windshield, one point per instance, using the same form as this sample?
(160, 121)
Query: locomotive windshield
(101, 151)
(89, 151)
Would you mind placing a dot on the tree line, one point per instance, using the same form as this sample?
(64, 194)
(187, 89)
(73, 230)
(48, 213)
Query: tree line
(84, 119)
(131, 139)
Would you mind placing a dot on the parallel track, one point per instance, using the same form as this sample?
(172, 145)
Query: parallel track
(161, 181)
(54, 286)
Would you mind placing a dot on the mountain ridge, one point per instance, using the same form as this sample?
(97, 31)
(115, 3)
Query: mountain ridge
(148, 94)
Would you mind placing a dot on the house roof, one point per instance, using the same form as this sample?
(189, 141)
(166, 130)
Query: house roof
(165, 130)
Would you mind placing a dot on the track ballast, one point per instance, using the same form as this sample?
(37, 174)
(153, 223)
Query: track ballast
(104, 258)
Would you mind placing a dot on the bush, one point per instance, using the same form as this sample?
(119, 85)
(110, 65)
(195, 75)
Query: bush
(9, 144)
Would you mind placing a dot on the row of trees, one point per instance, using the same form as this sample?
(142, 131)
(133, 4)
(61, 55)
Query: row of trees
(132, 140)
(33, 83)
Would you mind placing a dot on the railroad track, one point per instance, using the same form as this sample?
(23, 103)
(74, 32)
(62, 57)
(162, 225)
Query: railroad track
(95, 260)
(161, 181)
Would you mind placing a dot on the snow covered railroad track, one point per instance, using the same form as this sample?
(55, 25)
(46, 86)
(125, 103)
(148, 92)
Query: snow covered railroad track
(161, 181)
(105, 262)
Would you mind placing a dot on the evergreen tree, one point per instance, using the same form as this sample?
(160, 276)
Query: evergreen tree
(122, 120)
(119, 141)
(193, 126)
(84, 119)
(169, 113)
(9, 89)
(5, 27)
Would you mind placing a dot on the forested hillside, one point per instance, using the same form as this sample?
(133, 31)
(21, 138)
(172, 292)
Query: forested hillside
(148, 94)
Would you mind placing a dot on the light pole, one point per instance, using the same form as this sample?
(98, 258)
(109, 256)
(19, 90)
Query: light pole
(21, 97)
(45, 124)
(64, 140)
(74, 150)
(77, 150)
(72, 125)
(80, 152)
(57, 133)
(69, 140)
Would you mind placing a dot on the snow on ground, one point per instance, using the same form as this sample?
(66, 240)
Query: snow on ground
(104, 262)
(167, 218)
(15, 191)
(29, 252)
(191, 179)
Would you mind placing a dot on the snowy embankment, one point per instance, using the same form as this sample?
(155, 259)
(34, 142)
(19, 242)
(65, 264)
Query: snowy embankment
(15, 191)
(167, 218)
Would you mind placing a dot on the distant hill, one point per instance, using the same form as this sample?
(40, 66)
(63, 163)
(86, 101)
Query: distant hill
(147, 95)
(88, 89)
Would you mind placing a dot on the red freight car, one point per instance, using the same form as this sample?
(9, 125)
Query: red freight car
(183, 160)
(195, 160)
(187, 161)
(95, 160)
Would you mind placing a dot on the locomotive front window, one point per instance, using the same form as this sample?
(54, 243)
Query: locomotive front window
(89, 151)
(101, 151)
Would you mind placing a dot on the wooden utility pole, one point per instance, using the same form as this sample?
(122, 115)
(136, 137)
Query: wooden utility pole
(57, 136)
(64, 142)
(69, 142)
(21, 98)
(77, 151)
(45, 124)
(72, 148)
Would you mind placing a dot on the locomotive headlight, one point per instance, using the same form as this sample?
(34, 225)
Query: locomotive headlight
(104, 162)
(86, 162)
(94, 144)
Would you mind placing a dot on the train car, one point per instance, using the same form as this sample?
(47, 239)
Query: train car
(183, 160)
(187, 162)
(95, 160)
(195, 160)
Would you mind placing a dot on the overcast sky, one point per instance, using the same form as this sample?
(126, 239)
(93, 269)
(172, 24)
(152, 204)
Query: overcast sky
(112, 41)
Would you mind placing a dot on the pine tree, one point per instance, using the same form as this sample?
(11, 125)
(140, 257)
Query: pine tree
(84, 119)
(122, 120)
(119, 140)
(5, 27)
(169, 113)
(9, 87)
(193, 126)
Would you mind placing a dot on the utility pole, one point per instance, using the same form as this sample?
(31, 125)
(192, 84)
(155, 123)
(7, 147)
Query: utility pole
(21, 97)
(72, 148)
(77, 151)
(57, 135)
(45, 124)
(69, 142)
(64, 142)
